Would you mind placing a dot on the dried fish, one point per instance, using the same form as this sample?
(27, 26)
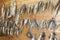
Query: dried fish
(12, 8)
(30, 9)
(42, 36)
(11, 28)
(9, 24)
(53, 36)
(52, 24)
(8, 13)
(33, 38)
(40, 4)
(58, 8)
(23, 8)
(16, 30)
(25, 22)
(15, 4)
(57, 4)
(43, 24)
(28, 22)
(17, 18)
(47, 4)
(29, 35)
(3, 30)
(11, 31)
(34, 23)
(0, 30)
(3, 11)
(36, 8)
(7, 32)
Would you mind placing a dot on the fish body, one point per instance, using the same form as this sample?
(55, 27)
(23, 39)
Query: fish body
(34, 23)
(53, 36)
(43, 25)
(52, 24)
(42, 36)
(23, 8)
(36, 8)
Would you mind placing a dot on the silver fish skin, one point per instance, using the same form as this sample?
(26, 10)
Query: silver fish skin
(29, 23)
(8, 33)
(57, 4)
(42, 36)
(23, 8)
(8, 13)
(57, 9)
(48, 4)
(11, 31)
(25, 22)
(15, 7)
(3, 11)
(17, 18)
(34, 23)
(30, 9)
(43, 24)
(3, 30)
(33, 38)
(12, 8)
(53, 36)
(17, 30)
(36, 9)
(29, 34)
(40, 6)
(52, 24)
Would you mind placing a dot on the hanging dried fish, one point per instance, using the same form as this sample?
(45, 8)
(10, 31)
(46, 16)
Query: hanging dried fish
(53, 36)
(17, 18)
(40, 4)
(30, 9)
(36, 8)
(57, 9)
(25, 22)
(23, 8)
(3, 11)
(0, 29)
(42, 36)
(47, 5)
(12, 8)
(16, 30)
(43, 24)
(33, 38)
(34, 23)
(11, 31)
(28, 22)
(7, 29)
(57, 4)
(52, 24)
(3, 30)
(29, 35)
